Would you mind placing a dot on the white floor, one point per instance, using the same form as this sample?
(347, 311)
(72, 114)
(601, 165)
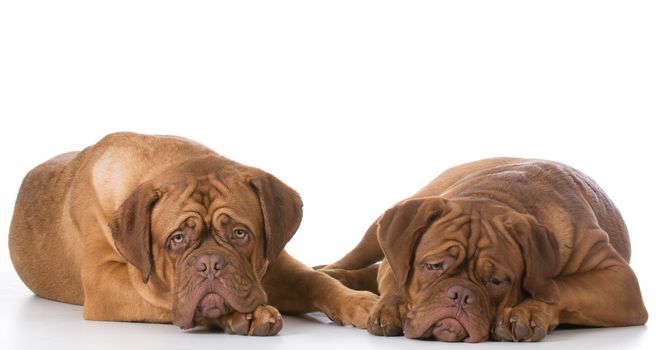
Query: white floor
(29, 322)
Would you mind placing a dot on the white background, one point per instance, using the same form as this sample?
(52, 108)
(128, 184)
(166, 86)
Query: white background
(356, 104)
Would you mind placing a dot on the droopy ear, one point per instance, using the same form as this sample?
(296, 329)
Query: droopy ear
(281, 211)
(130, 226)
(540, 252)
(400, 228)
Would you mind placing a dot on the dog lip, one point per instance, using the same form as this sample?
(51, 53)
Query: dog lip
(427, 324)
(212, 305)
(212, 302)
(449, 329)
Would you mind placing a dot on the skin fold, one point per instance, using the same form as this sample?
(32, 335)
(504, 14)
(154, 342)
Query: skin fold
(503, 249)
(163, 229)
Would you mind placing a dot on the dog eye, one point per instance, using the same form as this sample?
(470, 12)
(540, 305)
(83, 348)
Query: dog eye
(434, 267)
(240, 233)
(177, 238)
(494, 281)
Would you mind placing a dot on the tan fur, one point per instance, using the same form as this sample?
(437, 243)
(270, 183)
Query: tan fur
(71, 210)
(551, 238)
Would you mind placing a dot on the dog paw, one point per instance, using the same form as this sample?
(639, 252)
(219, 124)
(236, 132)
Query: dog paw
(263, 321)
(528, 321)
(386, 317)
(353, 309)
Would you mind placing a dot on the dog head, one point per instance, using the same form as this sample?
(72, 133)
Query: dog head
(459, 263)
(200, 236)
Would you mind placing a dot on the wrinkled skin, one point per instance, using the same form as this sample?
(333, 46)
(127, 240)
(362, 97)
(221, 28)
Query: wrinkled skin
(459, 283)
(207, 231)
(503, 249)
(162, 229)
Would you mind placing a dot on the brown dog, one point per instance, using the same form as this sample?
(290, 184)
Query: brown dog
(503, 248)
(162, 229)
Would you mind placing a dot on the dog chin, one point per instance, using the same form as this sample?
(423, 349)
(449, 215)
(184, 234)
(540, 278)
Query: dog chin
(209, 304)
(445, 324)
(212, 305)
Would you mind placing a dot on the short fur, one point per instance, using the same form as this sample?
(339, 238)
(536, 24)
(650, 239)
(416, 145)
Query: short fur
(163, 229)
(501, 248)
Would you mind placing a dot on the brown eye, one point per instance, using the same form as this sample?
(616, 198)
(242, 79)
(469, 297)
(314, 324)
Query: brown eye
(240, 234)
(434, 267)
(494, 281)
(177, 238)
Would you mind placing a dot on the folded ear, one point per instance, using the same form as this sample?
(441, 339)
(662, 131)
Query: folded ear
(400, 228)
(540, 252)
(281, 211)
(130, 226)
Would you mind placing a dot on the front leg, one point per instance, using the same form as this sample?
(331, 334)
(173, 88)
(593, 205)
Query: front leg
(110, 295)
(295, 288)
(388, 314)
(528, 321)
(360, 279)
(263, 321)
(605, 297)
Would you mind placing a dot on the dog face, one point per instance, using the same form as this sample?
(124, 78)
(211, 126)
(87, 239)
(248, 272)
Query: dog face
(200, 237)
(460, 263)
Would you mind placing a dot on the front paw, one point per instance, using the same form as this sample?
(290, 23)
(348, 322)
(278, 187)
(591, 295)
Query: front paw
(528, 321)
(387, 317)
(263, 321)
(352, 308)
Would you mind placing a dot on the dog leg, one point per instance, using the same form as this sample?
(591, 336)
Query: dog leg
(387, 316)
(607, 295)
(110, 295)
(361, 279)
(366, 253)
(295, 288)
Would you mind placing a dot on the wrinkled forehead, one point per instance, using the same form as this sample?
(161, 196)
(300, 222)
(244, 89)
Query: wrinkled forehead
(208, 196)
(470, 237)
(443, 235)
(497, 248)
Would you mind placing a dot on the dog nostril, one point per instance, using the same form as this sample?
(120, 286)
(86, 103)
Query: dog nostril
(217, 262)
(452, 293)
(461, 295)
(209, 264)
(200, 266)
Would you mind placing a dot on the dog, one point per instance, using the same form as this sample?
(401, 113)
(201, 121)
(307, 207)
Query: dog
(501, 248)
(163, 229)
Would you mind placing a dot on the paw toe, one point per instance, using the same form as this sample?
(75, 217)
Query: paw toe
(237, 323)
(386, 321)
(501, 332)
(526, 322)
(521, 330)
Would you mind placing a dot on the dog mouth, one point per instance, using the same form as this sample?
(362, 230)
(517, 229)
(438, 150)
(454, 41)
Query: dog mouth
(209, 305)
(446, 327)
(212, 305)
(211, 302)
(449, 330)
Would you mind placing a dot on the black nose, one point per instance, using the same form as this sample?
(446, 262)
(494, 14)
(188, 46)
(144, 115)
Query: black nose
(209, 264)
(460, 295)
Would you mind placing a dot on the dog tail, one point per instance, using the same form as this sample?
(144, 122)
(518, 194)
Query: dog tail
(365, 254)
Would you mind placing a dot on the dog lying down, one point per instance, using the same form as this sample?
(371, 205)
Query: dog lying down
(500, 248)
(163, 229)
